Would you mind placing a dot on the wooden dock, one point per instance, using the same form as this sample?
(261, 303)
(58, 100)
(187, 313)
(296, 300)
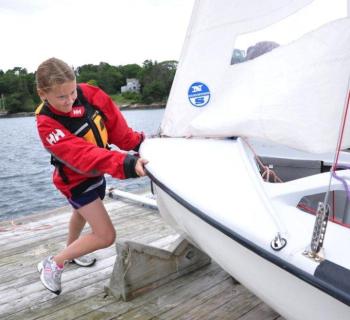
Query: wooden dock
(208, 293)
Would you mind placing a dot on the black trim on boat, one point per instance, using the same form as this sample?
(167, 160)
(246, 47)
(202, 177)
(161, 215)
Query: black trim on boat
(329, 285)
(334, 274)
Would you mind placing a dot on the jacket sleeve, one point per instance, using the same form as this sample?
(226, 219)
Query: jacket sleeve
(119, 133)
(79, 155)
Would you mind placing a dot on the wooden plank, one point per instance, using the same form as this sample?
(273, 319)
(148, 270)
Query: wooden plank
(26, 263)
(39, 249)
(261, 311)
(138, 214)
(236, 307)
(203, 303)
(28, 260)
(176, 298)
(76, 307)
(71, 301)
(61, 221)
(141, 303)
(30, 275)
(34, 293)
(196, 295)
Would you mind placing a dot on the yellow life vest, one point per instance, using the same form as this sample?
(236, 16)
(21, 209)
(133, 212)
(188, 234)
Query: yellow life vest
(89, 126)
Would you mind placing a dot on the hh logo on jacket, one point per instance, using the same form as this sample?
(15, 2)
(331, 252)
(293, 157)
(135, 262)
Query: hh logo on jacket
(54, 136)
(77, 112)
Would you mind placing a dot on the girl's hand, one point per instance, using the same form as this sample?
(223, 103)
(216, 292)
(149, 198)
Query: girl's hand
(140, 167)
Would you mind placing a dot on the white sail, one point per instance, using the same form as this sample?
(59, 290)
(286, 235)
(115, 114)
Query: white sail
(211, 97)
(293, 96)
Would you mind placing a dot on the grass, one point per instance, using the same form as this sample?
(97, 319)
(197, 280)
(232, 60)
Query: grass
(123, 100)
(120, 100)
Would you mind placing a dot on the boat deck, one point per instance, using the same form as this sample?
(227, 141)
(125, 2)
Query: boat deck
(208, 293)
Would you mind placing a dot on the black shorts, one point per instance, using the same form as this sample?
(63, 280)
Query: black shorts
(95, 191)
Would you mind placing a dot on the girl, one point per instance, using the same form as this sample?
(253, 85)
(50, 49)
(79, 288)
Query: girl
(76, 123)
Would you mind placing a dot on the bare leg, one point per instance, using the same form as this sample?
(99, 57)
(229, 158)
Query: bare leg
(102, 235)
(76, 225)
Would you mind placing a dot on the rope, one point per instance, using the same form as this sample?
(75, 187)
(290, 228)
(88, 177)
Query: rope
(342, 129)
(338, 148)
(16, 227)
(265, 170)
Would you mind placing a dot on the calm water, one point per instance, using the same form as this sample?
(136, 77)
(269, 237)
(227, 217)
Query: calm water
(25, 170)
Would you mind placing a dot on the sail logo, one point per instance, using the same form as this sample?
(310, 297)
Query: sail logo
(198, 94)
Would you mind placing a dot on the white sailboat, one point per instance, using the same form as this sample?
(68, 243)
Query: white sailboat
(274, 238)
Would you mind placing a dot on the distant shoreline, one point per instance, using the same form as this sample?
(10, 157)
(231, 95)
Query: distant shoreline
(139, 106)
(16, 115)
(121, 107)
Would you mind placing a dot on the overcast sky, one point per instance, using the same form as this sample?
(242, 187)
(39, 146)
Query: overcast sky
(118, 32)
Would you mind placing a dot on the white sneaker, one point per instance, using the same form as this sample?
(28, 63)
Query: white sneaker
(50, 275)
(84, 261)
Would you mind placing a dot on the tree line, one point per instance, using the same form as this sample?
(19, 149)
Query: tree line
(18, 91)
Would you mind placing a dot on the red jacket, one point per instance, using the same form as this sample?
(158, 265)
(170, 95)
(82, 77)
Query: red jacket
(84, 160)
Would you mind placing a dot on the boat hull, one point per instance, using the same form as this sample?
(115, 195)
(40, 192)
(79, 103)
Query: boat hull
(285, 292)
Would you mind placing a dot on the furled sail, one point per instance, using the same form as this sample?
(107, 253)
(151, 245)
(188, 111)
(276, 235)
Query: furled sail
(293, 95)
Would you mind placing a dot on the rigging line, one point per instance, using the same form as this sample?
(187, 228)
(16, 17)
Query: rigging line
(280, 226)
(340, 141)
(266, 170)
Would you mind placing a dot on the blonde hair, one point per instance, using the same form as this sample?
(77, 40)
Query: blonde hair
(53, 72)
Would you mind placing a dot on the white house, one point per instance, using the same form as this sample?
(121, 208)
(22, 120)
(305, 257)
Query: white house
(132, 85)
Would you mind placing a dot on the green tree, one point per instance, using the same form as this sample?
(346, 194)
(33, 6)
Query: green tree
(87, 72)
(107, 77)
(110, 79)
(17, 88)
(156, 80)
(130, 71)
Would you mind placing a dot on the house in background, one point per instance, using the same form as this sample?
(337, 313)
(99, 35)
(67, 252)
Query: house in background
(132, 85)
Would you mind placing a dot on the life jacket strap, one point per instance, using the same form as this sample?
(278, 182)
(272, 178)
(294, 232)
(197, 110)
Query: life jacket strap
(80, 188)
(59, 166)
